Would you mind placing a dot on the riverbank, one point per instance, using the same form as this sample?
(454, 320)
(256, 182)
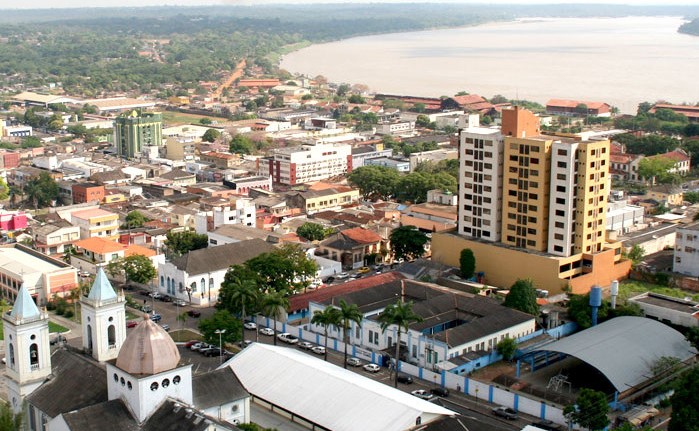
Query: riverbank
(621, 61)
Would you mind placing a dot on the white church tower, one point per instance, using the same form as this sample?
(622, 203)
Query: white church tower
(27, 348)
(103, 319)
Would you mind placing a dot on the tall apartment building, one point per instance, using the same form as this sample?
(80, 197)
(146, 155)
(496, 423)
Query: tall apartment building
(480, 182)
(136, 130)
(307, 163)
(530, 191)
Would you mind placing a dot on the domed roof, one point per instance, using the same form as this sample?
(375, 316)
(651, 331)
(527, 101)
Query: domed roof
(148, 350)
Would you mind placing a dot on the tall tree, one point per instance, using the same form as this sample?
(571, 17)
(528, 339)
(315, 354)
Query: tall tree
(139, 268)
(179, 243)
(313, 231)
(134, 220)
(221, 320)
(507, 348)
(407, 242)
(4, 190)
(685, 403)
(590, 410)
(375, 182)
(42, 190)
(274, 305)
(242, 293)
(211, 135)
(348, 313)
(522, 297)
(692, 336)
(329, 317)
(467, 263)
(287, 269)
(402, 315)
(8, 420)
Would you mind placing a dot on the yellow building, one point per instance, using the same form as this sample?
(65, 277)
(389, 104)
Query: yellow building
(313, 201)
(96, 223)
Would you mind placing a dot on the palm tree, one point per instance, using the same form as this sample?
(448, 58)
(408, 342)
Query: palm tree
(243, 292)
(348, 313)
(274, 305)
(400, 314)
(330, 316)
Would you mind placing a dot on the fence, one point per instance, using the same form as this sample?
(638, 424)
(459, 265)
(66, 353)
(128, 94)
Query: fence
(481, 391)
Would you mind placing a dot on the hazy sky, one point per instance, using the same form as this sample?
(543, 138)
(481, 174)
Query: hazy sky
(33, 4)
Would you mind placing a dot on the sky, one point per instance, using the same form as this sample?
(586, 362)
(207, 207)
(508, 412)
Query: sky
(35, 4)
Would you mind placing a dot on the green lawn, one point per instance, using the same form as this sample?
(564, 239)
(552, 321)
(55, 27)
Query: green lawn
(183, 335)
(172, 117)
(630, 288)
(53, 327)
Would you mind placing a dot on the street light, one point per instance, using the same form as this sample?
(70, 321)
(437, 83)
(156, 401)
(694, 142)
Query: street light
(220, 333)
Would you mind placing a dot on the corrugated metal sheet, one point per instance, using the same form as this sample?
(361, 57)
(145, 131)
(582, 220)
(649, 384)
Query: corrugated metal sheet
(326, 394)
(625, 348)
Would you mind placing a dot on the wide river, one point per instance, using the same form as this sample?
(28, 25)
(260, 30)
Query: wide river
(621, 61)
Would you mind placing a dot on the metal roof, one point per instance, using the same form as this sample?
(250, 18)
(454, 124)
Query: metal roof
(102, 289)
(625, 348)
(302, 384)
(24, 307)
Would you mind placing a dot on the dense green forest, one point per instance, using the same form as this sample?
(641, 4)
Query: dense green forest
(93, 50)
(691, 27)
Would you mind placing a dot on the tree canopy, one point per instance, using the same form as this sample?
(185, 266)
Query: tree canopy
(139, 268)
(467, 263)
(685, 414)
(313, 231)
(507, 348)
(4, 190)
(221, 320)
(590, 410)
(375, 182)
(657, 169)
(286, 270)
(211, 135)
(179, 243)
(134, 219)
(241, 144)
(522, 297)
(408, 242)
(42, 190)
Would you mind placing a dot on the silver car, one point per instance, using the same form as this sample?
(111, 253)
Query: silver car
(266, 331)
(354, 362)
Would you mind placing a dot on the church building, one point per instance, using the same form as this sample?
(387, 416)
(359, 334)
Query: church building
(117, 382)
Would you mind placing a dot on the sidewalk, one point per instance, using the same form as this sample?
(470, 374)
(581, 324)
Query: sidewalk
(74, 328)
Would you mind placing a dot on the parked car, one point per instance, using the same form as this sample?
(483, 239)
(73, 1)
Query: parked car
(372, 368)
(287, 338)
(214, 351)
(156, 317)
(363, 270)
(165, 326)
(404, 378)
(155, 295)
(193, 313)
(305, 345)
(354, 362)
(266, 331)
(131, 323)
(179, 302)
(250, 325)
(318, 350)
(166, 298)
(547, 425)
(189, 344)
(421, 393)
(356, 276)
(342, 276)
(329, 280)
(146, 308)
(198, 346)
(440, 392)
(505, 412)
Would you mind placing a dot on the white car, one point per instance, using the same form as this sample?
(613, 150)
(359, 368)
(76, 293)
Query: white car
(250, 325)
(372, 368)
(318, 350)
(342, 276)
(266, 331)
(421, 393)
(305, 345)
(287, 338)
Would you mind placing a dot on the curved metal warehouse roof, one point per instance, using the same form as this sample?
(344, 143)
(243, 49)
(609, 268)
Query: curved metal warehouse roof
(625, 348)
(328, 395)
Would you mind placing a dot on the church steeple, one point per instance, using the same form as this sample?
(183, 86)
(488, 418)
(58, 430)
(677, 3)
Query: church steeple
(103, 319)
(27, 347)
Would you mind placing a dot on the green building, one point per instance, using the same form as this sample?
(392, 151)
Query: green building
(135, 130)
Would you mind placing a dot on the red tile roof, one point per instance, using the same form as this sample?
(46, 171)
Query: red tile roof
(361, 235)
(300, 302)
(562, 103)
(676, 155)
(468, 99)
